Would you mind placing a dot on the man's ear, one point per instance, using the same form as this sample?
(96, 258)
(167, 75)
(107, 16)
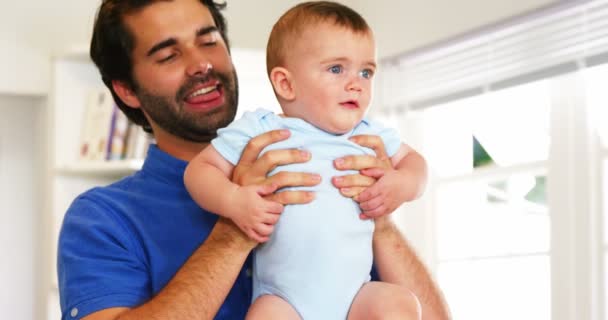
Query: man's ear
(126, 94)
(283, 83)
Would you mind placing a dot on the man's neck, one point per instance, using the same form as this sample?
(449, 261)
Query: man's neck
(177, 147)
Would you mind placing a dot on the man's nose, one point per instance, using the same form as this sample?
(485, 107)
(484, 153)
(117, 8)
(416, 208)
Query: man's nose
(198, 64)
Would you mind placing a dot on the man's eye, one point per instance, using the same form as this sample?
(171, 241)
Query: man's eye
(367, 73)
(209, 43)
(335, 69)
(208, 39)
(167, 58)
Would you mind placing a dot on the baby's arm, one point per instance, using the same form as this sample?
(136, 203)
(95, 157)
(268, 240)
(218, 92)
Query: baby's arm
(207, 181)
(413, 167)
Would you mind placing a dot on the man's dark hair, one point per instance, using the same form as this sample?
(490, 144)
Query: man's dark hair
(112, 46)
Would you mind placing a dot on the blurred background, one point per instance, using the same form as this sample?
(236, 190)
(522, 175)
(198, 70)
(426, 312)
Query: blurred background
(507, 100)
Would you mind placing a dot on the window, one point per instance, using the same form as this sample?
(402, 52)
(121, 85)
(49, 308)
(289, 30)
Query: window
(489, 157)
(514, 123)
(597, 98)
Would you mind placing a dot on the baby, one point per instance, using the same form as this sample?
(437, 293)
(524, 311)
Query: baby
(321, 60)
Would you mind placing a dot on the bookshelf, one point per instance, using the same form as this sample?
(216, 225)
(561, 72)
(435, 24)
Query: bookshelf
(111, 168)
(74, 76)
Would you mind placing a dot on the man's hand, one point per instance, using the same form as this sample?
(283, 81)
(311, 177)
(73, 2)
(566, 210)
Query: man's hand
(253, 170)
(377, 188)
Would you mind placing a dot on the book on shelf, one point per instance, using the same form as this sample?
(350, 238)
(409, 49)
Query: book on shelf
(107, 133)
(97, 125)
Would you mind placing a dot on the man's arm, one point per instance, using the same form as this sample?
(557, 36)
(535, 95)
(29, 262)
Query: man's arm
(395, 261)
(398, 263)
(200, 287)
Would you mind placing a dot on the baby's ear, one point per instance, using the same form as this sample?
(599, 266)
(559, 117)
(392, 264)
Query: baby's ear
(283, 83)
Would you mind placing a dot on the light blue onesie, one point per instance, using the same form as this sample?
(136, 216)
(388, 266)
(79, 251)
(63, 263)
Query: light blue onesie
(320, 254)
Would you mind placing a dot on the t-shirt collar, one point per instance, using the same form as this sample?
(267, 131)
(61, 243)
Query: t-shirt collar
(164, 165)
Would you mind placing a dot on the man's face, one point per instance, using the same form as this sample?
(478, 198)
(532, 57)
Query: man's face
(184, 78)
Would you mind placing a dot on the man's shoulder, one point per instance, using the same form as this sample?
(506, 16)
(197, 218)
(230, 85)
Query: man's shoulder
(101, 202)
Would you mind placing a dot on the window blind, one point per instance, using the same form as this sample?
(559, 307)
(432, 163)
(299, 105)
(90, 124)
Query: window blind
(562, 38)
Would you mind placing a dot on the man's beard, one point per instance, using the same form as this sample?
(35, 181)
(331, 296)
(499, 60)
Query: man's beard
(170, 114)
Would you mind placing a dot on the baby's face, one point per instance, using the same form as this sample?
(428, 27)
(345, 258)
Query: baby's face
(332, 69)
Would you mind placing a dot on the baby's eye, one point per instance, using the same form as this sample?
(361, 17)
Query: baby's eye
(335, 69)
(367, 73)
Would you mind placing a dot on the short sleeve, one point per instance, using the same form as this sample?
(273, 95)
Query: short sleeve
(231, 140)
(390, 136)
(97, 263)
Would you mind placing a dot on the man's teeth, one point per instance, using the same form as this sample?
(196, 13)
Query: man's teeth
(202, 91)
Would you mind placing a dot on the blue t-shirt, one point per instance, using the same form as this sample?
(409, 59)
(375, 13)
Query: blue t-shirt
(121, 244)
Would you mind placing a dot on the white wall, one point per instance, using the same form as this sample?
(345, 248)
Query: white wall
(25, 71)
(20, 210)
(31, 31)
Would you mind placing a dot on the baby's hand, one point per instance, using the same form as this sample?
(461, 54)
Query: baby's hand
(384, 196)
(253, 214)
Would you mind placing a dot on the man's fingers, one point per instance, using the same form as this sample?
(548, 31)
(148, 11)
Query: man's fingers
(256, 144)
(352, 180)
(360, 162)
(274, 158)
(368, 194)
(293, 179)
(351, 192)
(292, 197)
(373, 142)
(381, 160)
(247, 174)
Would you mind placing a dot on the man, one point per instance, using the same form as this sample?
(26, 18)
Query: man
(141, 248)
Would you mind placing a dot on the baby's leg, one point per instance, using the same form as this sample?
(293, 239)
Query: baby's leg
(381, 300)
(269, 307)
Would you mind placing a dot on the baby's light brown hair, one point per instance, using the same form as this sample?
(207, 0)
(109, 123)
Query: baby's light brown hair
(294, 22)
